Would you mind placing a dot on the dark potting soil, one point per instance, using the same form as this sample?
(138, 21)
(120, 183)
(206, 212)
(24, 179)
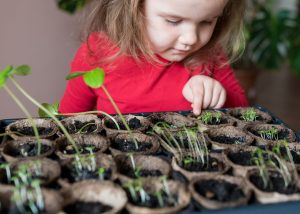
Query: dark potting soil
(245, 158)
(241, 158)
(276, 184)
(219, 190)
(283, 134)
(83, 127)
(128, 170)
(28, 150)
(152, 200)
(14, 210)
(133, 124)
(213, 166)
(86, 208)
(69, 149)
(228, 140)
(28, 131)
(2, 160)
(296, 157)
(73, 176)
(129, 145)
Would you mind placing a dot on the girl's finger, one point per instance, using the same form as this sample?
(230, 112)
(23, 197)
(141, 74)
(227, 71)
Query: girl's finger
(216, 97)
(198, 92)
(222, 99)
(208, 95)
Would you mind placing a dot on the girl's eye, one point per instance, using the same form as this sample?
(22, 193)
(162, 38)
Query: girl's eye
(207, 22)
(173, 22)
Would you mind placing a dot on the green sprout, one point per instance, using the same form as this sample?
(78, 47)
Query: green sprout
(249, 115)
(29, 197)
(24, 70)
(8, 73)
(159, 197)
(270, 134)
(209, 117)
(259, 160)
(85, 162)
(101, 173)
(135, 188)
(95, 79)
(264, 159)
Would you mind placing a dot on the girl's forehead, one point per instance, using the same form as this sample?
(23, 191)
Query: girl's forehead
(193, 9)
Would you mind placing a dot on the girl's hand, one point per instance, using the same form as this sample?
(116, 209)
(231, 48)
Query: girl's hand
(204, 92)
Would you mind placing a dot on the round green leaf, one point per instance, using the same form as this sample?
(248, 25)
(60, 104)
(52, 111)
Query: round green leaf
(94, 78)
(22, 70)
(74, 75)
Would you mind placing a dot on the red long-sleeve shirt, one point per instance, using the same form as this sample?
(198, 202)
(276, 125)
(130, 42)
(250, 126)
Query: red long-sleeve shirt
(138, 86)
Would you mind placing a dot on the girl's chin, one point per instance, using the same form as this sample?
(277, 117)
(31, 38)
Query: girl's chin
(173, 57)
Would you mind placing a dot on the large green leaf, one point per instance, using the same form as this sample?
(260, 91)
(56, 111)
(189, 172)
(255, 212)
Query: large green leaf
(94, 78)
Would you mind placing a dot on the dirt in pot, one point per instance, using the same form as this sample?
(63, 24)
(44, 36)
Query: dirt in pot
(27, 209)
(125, 145)
(73, 175)
(133, 124)
(219, 190)
(241, 158)
(153, 201)
(82, 127)
(29, 150)
(28, 131)
(213, 165)
(86, 207)
(275, 184)
(130, 172)
(83, 149)
(228, 140)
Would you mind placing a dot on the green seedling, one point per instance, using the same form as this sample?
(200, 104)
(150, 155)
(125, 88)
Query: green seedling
(135, 188)
(28, 196)
(8, 73)
(259, 160)
(270, 134)
(249, 115)
(210, 117)
(24, 70)
(159, 197)
(101, 173)
(95, 79)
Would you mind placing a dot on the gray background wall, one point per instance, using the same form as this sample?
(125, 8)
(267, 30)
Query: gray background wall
(36, 33)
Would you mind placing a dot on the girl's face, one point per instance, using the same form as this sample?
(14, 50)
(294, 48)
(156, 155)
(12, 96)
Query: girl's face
(177, 28)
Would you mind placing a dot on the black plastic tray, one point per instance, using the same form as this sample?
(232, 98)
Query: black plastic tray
(252, 208)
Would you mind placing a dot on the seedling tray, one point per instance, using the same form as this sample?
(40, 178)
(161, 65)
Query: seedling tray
(252, 207)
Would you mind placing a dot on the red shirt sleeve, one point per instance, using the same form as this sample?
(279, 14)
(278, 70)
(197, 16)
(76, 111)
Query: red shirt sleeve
(225, 75)
(78, 97)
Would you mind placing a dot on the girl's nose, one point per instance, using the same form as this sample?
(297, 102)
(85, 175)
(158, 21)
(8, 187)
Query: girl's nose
(189, 37)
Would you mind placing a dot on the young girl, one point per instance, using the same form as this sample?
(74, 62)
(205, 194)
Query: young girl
(159, 56)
